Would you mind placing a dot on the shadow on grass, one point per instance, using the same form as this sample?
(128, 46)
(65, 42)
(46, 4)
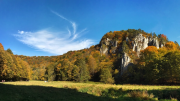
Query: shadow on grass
(166, 93)
(161, 95)
(42, 93)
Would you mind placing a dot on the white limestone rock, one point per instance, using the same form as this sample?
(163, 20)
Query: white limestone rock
(108, 42)
(141, 43)
(125, 62)
(103, 51)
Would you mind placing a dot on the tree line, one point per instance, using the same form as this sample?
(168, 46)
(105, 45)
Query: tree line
(13, 67)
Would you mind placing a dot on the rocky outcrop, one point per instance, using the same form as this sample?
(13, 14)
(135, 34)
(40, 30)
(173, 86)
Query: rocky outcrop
(103, 50)
(162, 44)
(125, 62)
(141, 42)
(106, 44)
(154, 42)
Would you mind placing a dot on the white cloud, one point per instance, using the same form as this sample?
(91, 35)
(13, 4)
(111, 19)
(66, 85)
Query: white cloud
(20, 32)
(55, 42)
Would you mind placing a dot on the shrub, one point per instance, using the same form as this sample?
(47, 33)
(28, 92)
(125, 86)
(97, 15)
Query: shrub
(110, 80)
(173, 99)
(141, 94)
(112, 92)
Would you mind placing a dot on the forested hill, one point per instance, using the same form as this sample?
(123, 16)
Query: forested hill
(126, 56)
(13, 67)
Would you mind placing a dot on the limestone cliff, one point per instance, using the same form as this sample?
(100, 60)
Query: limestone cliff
(125, 62)
(138, 43)
(141, 42)
(106, 45)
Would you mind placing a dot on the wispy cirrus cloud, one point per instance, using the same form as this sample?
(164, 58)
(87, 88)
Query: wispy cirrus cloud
(58, 42)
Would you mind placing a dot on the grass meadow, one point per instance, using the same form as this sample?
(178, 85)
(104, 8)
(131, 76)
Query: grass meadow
(91, 91)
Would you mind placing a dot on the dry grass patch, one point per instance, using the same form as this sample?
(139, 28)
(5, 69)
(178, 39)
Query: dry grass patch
(141, 94)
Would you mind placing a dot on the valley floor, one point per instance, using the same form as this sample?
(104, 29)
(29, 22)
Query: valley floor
(91, 91)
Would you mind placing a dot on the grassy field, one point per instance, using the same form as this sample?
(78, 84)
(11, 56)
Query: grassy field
(70, 91)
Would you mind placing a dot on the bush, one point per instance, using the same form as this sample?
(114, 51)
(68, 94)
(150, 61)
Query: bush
(141, 94)
(173, 99)
(112, 92)
(110, 80)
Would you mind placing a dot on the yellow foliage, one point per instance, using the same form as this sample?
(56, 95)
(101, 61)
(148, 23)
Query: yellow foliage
(162, 51)
(92, 46)
(149, 51)
(144, 35)
(171, 46)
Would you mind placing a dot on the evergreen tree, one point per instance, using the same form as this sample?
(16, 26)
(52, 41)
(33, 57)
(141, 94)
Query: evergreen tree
(9, 51)
(125, 47)
(83, 70)
(75, 73)
(154, 35)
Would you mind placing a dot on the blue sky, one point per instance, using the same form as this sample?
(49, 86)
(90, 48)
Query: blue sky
(53, 27)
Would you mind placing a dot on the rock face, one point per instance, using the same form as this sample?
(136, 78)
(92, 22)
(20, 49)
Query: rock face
(141, 43)
(103, 50)
(106, 44)
(125, 62)
(161, 44)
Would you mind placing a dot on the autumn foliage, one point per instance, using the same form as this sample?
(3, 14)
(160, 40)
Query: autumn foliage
(149, 51)
(164, 36)
(171, 45)
(152, 66)
(12, 67)
(1, 46)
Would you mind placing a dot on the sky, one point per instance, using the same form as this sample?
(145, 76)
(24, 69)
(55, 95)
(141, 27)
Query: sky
(54, 27)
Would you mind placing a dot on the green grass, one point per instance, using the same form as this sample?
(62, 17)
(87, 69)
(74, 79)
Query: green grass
(91, 91)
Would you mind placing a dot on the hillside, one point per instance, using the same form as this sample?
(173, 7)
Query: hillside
(13, 67)
(126, 56)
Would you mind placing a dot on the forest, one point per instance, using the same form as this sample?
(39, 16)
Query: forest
(153, 65)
